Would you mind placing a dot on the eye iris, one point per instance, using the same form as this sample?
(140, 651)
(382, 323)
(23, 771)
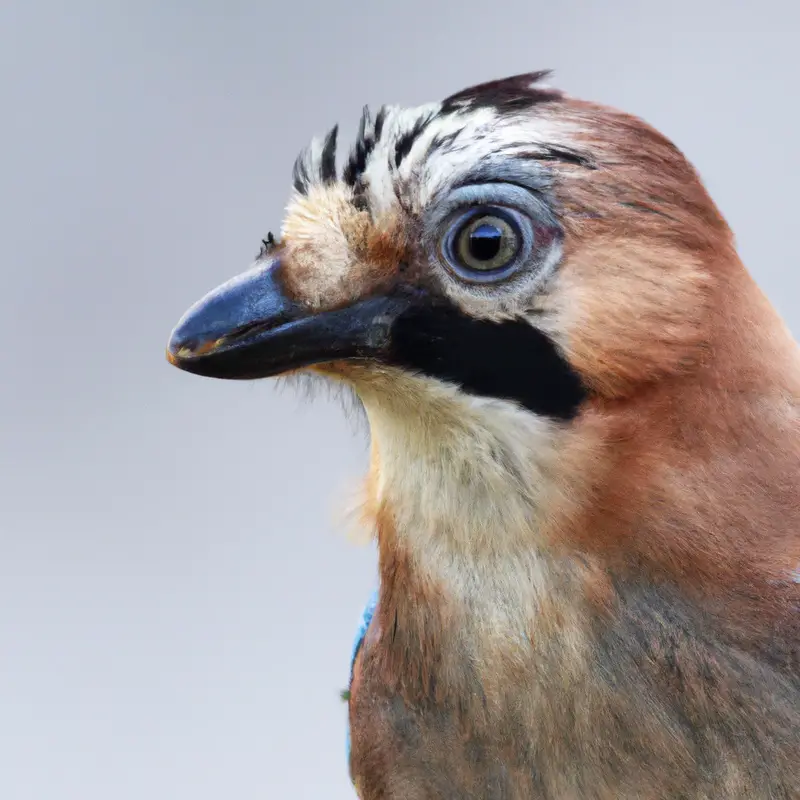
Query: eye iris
(485, 241)
(486, 244)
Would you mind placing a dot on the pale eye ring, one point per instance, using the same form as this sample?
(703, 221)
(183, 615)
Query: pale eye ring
(485, 244)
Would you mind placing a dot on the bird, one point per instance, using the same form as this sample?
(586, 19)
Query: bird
(584, 450)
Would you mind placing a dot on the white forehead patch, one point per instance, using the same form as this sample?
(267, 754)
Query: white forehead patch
(466, 138)
(404, 157)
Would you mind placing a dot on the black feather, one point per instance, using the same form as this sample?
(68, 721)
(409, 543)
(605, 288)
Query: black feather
(327, 167)
(406, 141)
(267, 246)
(566, 155)
(510, 360)
(364, 145)
(380, 119)
(517, 93)
(443, 141)
(300, 177)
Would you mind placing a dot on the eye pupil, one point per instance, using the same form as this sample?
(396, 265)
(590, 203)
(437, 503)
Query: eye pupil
(483, 245)
(485, 242)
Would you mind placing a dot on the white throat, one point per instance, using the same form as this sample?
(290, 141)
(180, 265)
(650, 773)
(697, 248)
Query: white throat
(467, 479)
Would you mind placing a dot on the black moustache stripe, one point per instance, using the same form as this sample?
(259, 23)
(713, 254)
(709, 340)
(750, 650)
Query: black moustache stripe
(507, 360)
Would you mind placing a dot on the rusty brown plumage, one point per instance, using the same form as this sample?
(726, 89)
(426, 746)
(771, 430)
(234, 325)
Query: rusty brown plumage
(584, 478)
(662, 660)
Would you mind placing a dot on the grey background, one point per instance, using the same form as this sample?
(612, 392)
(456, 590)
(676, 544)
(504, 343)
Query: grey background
(176, 606)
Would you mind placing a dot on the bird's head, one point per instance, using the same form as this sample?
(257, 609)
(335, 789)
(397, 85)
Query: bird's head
(500, 277)
(509, 241)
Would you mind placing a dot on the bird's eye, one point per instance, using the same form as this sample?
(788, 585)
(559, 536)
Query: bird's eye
(484, 245)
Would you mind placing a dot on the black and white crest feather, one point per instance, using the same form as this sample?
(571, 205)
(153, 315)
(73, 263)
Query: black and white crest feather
(393, 132)
(369, 133)
(316, 162)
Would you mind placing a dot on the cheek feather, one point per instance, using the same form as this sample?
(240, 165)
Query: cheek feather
(629, 313)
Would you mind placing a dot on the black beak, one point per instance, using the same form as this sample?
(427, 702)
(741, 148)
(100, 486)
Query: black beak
(248, 328)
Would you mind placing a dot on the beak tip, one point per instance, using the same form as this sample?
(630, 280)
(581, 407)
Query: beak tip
(180, 348)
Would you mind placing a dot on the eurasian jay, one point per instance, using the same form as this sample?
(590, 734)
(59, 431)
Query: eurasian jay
(585, 451)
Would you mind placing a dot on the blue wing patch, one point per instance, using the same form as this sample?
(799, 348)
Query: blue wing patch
(366, 618)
